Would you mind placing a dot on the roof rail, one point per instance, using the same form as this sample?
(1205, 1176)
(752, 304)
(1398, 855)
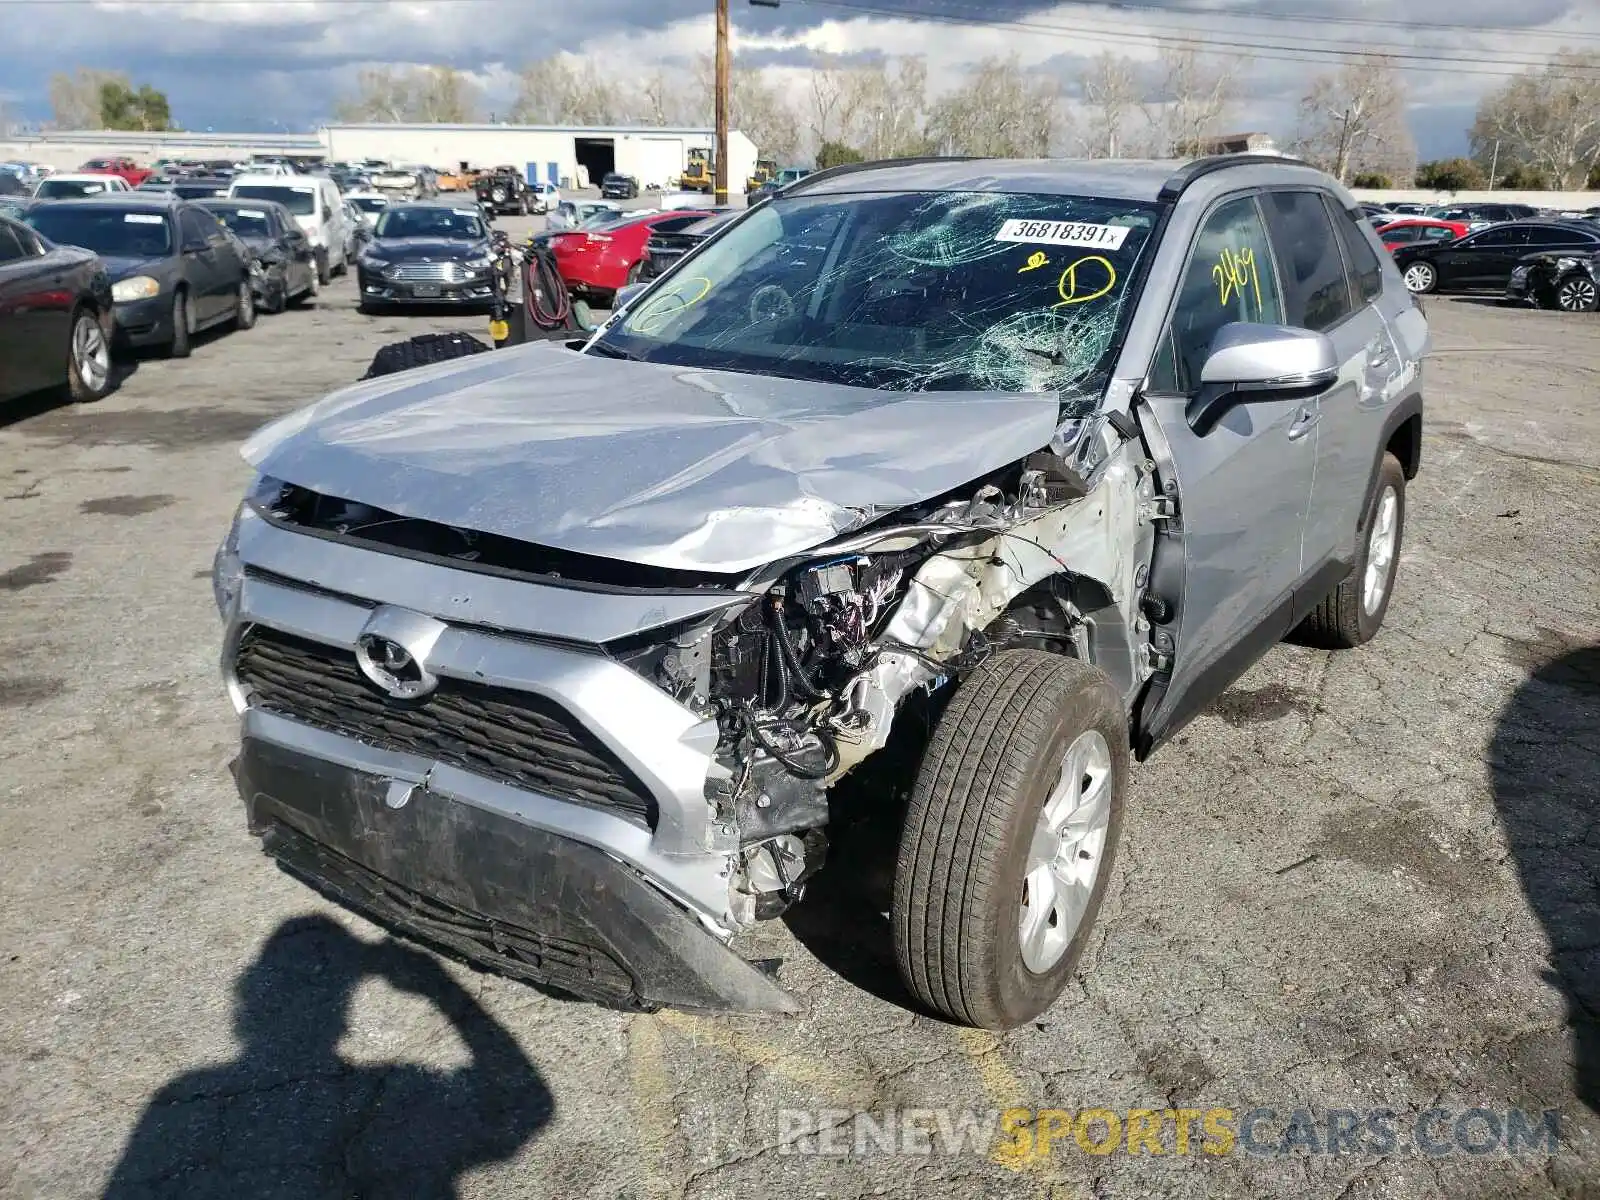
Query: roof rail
(1201, 167)
(851, 168)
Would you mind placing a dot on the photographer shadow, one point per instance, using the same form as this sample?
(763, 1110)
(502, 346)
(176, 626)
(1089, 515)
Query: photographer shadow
(290, 1117)
(1545, 765)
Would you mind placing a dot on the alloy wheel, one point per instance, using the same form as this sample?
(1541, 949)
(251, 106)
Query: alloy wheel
(1576, 295)
(1419, 277)
(1069, 842)
(1380, 550)
(90, 354)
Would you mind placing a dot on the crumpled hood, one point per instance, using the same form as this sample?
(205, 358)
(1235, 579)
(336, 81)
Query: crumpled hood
(439, 249)
(667, 466)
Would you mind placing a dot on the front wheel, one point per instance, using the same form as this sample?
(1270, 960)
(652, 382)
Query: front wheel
(182, 330)
(1009, 839)
(1421, 278)
(1577, 293)
(324, 272)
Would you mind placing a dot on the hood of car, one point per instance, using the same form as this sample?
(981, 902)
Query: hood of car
(660, 465)
(436, 249)
(121, 266)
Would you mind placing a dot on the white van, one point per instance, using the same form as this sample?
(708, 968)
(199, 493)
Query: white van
(317, 207)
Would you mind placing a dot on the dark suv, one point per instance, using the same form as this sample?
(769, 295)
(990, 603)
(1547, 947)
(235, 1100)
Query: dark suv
(503, 191)
(619, 187)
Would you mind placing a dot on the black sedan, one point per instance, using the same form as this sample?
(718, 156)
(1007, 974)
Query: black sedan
(174, 269)
(619, 187)
(662, 250)
(55, 317)
(286, 259)
(1568, 280)
(1485, 259)
(429, 252)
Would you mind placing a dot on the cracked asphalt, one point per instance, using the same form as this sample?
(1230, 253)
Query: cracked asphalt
(1363, 880)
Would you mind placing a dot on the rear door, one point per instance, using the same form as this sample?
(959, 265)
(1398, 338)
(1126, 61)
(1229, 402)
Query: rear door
(24, 363)
(1483, 259)
(203, 266)
(1243, 486)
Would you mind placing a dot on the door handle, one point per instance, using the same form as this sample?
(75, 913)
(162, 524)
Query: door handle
(1304, 422)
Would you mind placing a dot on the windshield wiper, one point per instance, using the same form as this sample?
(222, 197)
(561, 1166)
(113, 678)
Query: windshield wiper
(605, 351)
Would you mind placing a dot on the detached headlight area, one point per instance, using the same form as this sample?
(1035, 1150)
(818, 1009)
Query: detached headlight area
(136, 287)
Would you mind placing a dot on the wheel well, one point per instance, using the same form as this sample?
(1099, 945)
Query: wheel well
(1405, 443)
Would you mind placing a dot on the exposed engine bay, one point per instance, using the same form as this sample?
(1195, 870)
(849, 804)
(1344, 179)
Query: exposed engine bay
(806, 681)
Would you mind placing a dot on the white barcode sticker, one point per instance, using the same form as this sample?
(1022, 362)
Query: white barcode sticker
(253, 212)
(143, 219)
(1063, 233)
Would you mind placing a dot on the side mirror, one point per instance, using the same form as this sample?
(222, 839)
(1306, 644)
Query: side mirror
(1260, 362)
(627, 292)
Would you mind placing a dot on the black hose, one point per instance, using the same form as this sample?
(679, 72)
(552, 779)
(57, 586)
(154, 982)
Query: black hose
(544, 292)
(829, 748)
(780, 632)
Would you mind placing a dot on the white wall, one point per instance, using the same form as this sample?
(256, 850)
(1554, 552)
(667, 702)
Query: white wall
(653, 158)
(65, 150)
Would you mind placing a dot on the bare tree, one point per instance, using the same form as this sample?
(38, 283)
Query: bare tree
(432, 94)
(1112, 100)
(662, 100)
(75, 98)
(1197, 92)
(762, 112)
(1354, 121)
(1546, 119)
(829, 88)
(889, 110)
(563, 91)
(999, 110)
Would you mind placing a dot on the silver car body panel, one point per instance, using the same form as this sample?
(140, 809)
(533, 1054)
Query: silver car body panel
(702, 470)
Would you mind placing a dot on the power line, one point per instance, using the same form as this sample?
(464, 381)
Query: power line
(1457, 64)
(1373, 22)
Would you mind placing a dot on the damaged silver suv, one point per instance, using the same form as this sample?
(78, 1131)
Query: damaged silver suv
(553, 657)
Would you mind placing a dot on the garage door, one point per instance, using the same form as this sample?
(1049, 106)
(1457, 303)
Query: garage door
(655, 160)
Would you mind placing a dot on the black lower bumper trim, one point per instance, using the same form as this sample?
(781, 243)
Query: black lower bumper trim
(517, 900)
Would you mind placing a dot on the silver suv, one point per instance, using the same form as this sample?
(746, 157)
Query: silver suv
(561, 658)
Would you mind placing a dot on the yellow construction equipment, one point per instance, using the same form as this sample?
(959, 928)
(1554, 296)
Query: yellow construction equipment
(766, 168)
(700, 174)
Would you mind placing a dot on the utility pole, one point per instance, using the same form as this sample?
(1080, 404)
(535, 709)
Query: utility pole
(1494, 164)
(723, 87)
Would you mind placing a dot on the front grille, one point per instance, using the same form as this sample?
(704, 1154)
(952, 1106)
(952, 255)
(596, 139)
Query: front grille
(420, 272)
(538, 956)
(514, 737)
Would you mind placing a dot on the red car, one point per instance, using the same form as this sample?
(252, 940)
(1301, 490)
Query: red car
(125, 167)
(1420, 230)
(596, 262)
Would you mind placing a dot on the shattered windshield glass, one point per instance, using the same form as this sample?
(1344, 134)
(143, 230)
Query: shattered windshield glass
(910, 291)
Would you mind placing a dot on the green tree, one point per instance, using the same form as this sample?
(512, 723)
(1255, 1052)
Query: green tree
(123, 107)
(1520, 178)
(837, 154)
(1450, 175)
(1371, 179)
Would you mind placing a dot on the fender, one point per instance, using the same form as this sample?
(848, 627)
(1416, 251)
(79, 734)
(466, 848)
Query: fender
(1402, 434)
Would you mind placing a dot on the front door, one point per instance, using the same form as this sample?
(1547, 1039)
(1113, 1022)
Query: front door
(1483, 259)
(1243, 486)
(24, 354)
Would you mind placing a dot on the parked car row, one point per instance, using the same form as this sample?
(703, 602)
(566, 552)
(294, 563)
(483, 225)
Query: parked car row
(1547, 262)
(122, 269)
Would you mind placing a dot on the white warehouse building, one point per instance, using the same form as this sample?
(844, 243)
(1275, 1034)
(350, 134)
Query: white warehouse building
(574, 155)
(562, 154)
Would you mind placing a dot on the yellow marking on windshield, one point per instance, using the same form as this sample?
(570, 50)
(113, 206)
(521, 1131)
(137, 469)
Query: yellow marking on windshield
(1035, 260)
(659, 313)
(1074, 290)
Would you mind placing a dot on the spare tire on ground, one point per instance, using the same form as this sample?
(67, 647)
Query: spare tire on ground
(422, 350)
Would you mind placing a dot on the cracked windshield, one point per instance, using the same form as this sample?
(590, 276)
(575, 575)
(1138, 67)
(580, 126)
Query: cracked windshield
(915, 291)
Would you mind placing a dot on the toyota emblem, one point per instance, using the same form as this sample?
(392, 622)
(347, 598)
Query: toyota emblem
(393, 668)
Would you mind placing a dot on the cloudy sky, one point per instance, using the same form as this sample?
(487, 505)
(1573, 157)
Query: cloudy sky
(267, 64)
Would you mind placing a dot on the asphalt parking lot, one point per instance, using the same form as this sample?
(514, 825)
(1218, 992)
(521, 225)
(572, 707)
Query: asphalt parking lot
(1362, 881)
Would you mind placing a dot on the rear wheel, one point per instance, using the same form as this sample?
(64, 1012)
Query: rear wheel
(1577, 293)
(324, 272)
(88, 359)
(1009, 839)
(1353, 612)
(244, 307)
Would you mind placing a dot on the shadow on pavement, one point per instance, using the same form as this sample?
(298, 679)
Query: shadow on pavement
(34, 404)
(1545, 764)
(291, 1118)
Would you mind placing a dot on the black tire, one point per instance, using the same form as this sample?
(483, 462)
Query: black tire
(81, 388)
(522, 207)
(324, 272)
(995, 755)
(1342, 620)
(182, 337)
(275, 300)
(244, 307)
(1577, 293)
(422, 350)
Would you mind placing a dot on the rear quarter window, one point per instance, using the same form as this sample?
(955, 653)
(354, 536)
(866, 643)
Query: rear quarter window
(1366, 272)
(1316, 292)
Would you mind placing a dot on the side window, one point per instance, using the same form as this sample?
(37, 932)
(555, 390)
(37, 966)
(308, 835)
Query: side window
(1230, 277)
(1499, 239)
(1405, 235)
(1366, 273)
(1438, 233)
(1316, 293)
(673, 224)
(195, 227)
(10, 248)
(1539, 238)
